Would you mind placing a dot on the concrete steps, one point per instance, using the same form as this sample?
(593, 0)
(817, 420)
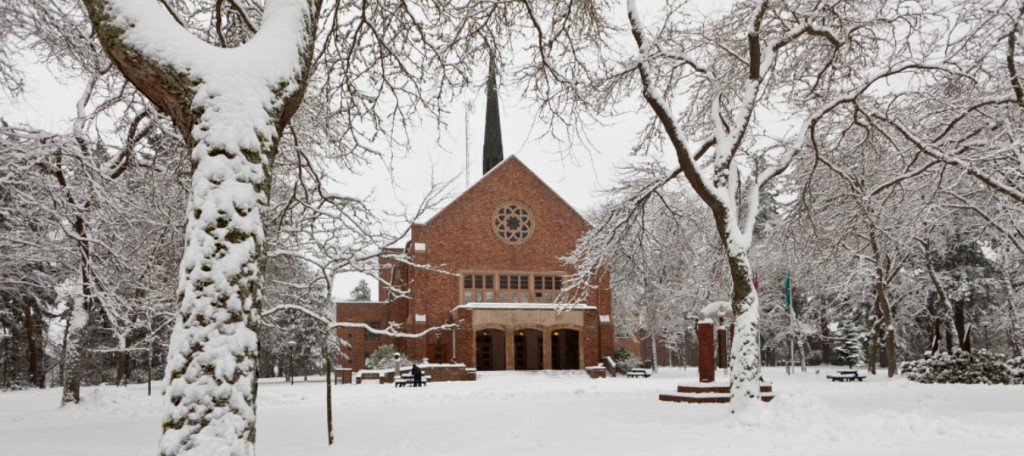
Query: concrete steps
(709, 393)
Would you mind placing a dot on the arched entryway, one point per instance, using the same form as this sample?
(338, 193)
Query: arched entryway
(490, 349)
(529, 349)
(565, 349)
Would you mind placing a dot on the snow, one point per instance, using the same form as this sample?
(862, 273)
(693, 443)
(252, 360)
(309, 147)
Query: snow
(506, 413)
(717, 309)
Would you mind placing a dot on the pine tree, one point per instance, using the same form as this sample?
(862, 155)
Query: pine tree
(849, 347)
(361, 292)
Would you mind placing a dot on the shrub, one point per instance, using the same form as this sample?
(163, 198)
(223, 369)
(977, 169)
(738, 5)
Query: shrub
(384, 358)
(979, 366)
(814, 358)
(1016, 366)
(624, 360)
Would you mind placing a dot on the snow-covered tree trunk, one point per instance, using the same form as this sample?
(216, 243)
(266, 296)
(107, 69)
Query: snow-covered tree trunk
(654, 353)
(745, 357)
(230, 105)
(31, 349)
(328, 369)
(74, 353)
(888, 324)
(1011, 329)
(802, 352)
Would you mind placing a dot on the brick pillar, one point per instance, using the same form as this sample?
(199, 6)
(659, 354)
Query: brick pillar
(546, 350)
(465, 338)
(593, 338)
(723, 353)
(706, 351)
(510, 349)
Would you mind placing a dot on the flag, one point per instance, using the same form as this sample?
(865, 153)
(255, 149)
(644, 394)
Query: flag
(789, 296)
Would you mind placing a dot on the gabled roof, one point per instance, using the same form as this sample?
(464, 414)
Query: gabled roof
(510, 161)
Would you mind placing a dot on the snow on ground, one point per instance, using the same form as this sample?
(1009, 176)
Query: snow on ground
(506, 413)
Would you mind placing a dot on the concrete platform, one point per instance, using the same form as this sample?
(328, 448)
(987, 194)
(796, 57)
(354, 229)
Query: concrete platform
(709, 393)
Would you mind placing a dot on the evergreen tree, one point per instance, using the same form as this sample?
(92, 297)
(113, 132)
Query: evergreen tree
(361, 292)
(849, 347)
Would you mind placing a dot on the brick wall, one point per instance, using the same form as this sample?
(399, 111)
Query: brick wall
(360, 312)
(461, 238)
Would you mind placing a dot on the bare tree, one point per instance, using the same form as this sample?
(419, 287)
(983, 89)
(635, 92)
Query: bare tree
(711, 87)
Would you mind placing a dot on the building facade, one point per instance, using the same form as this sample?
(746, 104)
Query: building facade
(490, 263)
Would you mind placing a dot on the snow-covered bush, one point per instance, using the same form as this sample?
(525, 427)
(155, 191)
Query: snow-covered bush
(624, 360)
(979, 366)
(1016, 366)
(384, 358)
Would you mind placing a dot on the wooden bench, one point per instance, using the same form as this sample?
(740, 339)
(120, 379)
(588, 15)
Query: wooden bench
(637, 373)
(409, 380)
(846, 376)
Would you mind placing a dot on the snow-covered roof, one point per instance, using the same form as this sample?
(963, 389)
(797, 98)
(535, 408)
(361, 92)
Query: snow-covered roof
(338, 303)
(524, 306)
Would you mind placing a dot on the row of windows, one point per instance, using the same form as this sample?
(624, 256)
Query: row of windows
(512, 282)
(478, 281)
(511, 288)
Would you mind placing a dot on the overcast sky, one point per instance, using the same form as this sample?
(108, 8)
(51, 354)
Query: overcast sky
(578, 174)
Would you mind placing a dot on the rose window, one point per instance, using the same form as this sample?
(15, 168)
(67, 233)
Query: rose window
(513, 223)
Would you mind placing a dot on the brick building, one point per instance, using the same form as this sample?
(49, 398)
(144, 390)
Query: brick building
(494, 253)
(498, 246)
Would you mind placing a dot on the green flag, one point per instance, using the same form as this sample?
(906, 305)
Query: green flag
(789, 296)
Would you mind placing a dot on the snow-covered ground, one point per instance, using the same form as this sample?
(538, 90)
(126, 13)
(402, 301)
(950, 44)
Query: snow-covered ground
(517, 413)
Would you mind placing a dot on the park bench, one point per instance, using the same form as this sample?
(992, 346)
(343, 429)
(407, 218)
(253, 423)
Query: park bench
(637, 373)
(846, 376)
(407, 379)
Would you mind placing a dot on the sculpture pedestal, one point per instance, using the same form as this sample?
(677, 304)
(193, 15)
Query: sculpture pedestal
(706, 351)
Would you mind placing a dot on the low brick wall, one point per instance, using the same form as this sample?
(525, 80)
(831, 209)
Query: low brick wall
(449, 373)
(364, 376)
(342, 375)
(437, 373)
(597, 371)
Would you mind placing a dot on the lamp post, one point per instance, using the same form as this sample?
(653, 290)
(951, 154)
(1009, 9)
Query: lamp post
(397, 356)
(291, 360)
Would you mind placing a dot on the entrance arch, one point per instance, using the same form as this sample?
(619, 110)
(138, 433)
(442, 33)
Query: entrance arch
(529, 349)
(490, 349)
(565, 349)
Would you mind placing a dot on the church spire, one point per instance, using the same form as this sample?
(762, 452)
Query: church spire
(493, 152)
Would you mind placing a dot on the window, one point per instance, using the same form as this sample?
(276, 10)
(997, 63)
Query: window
(510, 288)
(546, 288)
(367, 335)
(514, 282)
(477, 288)
(513, 223)
(437, 352)
(547, 282)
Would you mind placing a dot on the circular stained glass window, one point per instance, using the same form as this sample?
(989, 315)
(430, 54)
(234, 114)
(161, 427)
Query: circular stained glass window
(513, 223)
